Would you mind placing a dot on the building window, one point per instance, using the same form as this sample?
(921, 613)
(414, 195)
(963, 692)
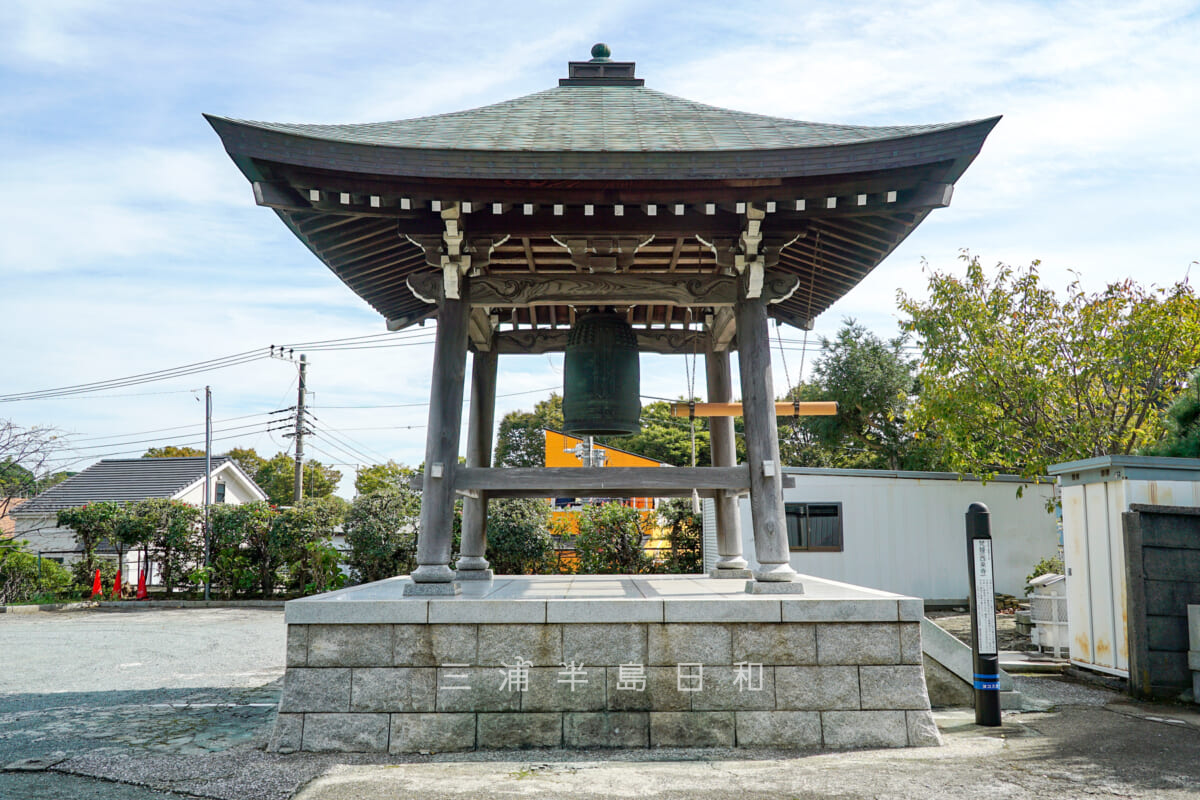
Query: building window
(815, 527)
(220, 498)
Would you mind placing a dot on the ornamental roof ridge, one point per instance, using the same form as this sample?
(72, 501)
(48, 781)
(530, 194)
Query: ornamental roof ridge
(598, 118)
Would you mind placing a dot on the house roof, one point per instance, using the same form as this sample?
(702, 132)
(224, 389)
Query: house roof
(122, 480)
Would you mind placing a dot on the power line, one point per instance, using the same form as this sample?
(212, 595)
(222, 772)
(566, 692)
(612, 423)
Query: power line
(367, 341)
(188, 443)
(144, 377)
(173, 428)
(159, 438)
(327, 430)
(345, 453)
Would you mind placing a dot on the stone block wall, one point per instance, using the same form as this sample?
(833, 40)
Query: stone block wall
(1162, 563)
(444, 687)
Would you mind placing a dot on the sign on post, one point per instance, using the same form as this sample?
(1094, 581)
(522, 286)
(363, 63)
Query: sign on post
(983, 616)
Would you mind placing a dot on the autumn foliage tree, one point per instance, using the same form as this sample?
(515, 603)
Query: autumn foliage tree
(1015, 379)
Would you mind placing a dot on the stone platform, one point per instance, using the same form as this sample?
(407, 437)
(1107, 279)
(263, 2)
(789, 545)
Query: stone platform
(603, 661)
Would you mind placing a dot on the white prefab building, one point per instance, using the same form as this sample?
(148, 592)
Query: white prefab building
(905, 532)
(1095, 492)
(126, 480)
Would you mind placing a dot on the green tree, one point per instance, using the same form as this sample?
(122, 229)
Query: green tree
(248, 459)
(520, 439)
(93, 523)
(381, 477)
(666, 438)
(277, 478)
(1014, 379)
(172, 451)
(1182, 421)
(610, 540)
(15, 480)
(24, 455)
(519, 541)
(872, 382)
(381, 534)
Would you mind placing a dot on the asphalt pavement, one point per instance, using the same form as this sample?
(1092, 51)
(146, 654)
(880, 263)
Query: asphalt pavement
(149, 705)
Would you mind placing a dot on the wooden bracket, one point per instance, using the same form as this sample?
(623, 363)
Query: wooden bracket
(602, 255)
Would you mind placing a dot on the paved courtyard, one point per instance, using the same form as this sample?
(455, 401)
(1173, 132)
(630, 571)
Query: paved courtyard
(158, 704)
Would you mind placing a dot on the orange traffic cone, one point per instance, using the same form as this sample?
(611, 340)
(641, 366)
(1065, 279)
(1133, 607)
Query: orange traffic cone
(142, 594)
(117, 587)
(97, 590)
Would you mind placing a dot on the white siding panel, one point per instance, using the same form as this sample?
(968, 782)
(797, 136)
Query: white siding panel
(1075, 542)
(907, 535)
(1100, 584)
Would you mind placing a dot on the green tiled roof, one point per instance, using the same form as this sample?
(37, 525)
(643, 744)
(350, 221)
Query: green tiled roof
(630, 119)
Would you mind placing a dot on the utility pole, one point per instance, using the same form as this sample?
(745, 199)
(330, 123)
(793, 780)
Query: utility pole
(207, 489)
(298, 486)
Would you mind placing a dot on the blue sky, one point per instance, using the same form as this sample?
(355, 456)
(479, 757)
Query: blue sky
(130, 242)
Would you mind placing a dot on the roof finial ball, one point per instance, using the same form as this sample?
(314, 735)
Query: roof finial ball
(600, 52)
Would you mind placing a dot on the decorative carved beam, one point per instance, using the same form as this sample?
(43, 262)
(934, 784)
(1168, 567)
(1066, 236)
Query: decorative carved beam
(604, 254)
(495, 291)
(662, 342)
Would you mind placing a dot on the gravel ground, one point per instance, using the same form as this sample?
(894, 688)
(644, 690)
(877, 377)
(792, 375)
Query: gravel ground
(162, 705)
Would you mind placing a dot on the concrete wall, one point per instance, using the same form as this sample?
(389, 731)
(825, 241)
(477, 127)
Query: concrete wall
(904, 532)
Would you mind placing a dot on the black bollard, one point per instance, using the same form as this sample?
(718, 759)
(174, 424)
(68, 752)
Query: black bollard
(983, 615)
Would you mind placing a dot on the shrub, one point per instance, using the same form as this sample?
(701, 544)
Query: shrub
(381, 533)
(83, 577)
(610, 540)
(318, 569)
(519, 541)
(172, 528)
(1047, 566)
(19, 581)
(685, 534)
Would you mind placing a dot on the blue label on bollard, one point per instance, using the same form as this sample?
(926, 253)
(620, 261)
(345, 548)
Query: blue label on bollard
(987, 681)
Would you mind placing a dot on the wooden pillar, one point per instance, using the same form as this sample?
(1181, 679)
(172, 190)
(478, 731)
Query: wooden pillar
(472, 563)
(762, 440)
(724, 454)
(433, 574)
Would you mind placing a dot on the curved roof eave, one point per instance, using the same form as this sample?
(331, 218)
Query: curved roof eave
(946, 143)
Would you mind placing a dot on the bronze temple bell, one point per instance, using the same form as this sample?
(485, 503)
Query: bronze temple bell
(601, 376)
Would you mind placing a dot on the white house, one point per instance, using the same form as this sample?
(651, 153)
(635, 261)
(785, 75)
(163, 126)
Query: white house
(905, 531)
(126, 480)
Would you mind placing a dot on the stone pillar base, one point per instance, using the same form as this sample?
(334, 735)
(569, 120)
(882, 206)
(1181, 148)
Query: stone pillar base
(731, 573)
(473, 574)
(446, 589)
(774, 587)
